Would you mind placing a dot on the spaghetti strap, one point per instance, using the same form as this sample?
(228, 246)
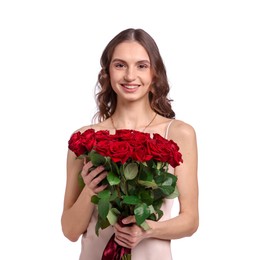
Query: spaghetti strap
(168, 127)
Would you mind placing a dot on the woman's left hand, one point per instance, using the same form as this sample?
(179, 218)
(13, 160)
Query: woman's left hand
(130, 234)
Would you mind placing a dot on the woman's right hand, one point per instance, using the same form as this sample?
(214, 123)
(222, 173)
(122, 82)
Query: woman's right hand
(92, 178)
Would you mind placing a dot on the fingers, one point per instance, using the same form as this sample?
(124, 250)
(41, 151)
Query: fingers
(129, 220)
(133, 230)
(122, 242)
(90, 174)
(93, 176)
(128, 236)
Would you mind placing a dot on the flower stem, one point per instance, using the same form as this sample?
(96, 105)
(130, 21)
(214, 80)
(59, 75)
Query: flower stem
(118, 191)
(126, 257)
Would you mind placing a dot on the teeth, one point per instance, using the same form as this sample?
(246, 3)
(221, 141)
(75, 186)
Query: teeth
(130, 87)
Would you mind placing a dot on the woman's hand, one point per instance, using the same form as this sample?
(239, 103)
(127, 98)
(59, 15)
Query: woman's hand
(92, 178)
(129, 234)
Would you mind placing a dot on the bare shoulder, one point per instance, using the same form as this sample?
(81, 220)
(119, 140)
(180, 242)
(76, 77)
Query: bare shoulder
(181, 131)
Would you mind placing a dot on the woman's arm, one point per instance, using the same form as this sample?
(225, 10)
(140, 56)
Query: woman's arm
(78, 209)
(186, 223)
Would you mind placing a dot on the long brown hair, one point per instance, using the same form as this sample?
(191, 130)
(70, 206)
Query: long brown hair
(106, 98)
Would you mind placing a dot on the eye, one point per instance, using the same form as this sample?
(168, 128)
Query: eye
(119, 65)
(143, 66)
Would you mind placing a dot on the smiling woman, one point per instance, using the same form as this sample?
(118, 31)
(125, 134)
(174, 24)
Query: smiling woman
(131, 98)
(130, 71)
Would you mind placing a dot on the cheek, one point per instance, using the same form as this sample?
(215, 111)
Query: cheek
(147, 78)
(113, 82)
(114, 76)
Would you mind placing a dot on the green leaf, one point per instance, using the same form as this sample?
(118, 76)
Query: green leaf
(145, 226)
(168, 182)
(113, 179)
(149, 184)
(131, 171)
(105, 194)
(159, 213)
(114, 166)
(131, 200)
(101, 223)
(96, 158)
(107, 164)
(141, 213)
(152, 217)
(95, 199)
(123, 186)
(113, 216)
(132, 188)
(151, 209)
(104, 223)
(157, 203)
(97, 227)
(146, 174)
(103, 208)
(103, 182)
(81, 181)
(159, 179)
(158, 194)
(146, 196)
(174, 194)
(151, 164)
(114, 195)
(167, 190)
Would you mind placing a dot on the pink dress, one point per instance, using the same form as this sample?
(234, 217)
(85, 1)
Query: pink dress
(92, 246)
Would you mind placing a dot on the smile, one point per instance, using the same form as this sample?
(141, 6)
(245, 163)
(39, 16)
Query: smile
(130, 86)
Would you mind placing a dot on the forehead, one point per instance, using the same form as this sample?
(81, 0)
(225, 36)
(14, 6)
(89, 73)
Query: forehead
(130, 50)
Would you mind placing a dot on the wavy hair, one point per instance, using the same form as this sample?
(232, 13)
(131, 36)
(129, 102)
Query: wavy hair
(106, 98)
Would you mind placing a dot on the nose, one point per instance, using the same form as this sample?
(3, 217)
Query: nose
(130, 74)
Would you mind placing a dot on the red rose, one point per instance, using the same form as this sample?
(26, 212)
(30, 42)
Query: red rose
(176, 157)
(102, 147)
(88, 139)
(139, 144)
(167, 150)
(75, 144)
(102, 135)
(156, 149)
(141, 137)
(123, 135)
(140, 153)
(120, 151)
(164, 150)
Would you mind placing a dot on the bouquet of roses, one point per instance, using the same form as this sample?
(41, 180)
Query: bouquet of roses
(138, 178)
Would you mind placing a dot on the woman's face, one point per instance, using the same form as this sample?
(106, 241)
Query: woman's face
(130, 71)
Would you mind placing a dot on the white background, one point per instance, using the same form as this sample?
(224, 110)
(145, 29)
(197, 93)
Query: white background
(49, 61)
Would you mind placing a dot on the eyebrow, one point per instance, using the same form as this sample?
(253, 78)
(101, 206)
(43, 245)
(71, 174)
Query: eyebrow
(123, 61)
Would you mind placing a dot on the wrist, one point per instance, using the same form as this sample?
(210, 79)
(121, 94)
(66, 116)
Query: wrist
(88, 192)
(150, 233)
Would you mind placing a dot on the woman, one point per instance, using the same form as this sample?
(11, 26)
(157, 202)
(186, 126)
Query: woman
(133, 89)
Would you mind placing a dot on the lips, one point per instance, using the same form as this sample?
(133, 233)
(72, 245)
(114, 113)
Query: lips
(130, 86)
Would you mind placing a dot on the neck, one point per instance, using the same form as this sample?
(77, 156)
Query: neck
(133, 119)
(132, 115)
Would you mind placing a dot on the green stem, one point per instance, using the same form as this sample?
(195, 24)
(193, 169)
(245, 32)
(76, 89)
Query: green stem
(126, 257)
(118, 191)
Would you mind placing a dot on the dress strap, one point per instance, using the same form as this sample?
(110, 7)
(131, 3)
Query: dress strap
(167, 129)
